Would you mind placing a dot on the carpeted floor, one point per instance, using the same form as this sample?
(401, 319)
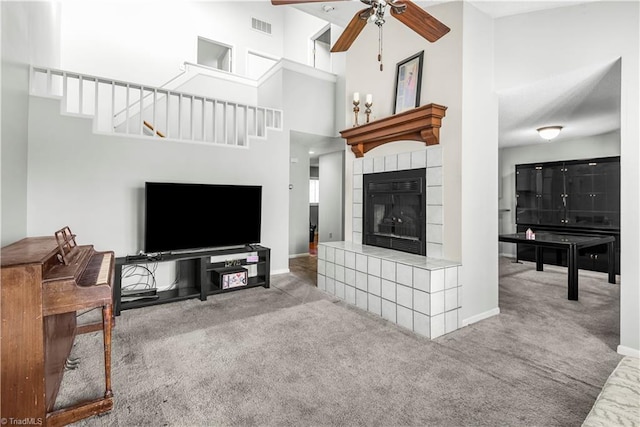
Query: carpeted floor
(292, 355)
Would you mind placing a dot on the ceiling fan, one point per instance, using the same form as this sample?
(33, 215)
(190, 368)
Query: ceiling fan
(405, 11)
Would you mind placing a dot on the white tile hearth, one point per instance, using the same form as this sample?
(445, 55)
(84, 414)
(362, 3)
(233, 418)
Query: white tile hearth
(415, 292)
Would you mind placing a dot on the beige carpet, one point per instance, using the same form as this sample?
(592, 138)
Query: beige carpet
(291, 355)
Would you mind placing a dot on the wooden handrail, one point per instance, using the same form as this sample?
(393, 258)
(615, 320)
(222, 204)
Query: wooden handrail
(147, 124)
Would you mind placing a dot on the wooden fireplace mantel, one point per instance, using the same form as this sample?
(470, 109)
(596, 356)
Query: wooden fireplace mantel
(420, 124)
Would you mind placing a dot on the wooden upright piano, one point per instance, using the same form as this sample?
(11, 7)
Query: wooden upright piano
(45, 282)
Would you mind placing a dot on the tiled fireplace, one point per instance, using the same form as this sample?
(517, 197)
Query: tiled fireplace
(418, 292)
(429, 160)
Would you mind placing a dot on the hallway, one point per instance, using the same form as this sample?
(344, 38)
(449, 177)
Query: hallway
(306, 268)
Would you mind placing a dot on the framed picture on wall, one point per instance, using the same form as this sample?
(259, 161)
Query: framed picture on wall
(408, 80)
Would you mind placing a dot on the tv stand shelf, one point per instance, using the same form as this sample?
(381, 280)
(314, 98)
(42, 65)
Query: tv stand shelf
(196, 271)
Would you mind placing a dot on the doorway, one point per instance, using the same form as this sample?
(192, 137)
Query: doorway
(321, 49)
(316, 198)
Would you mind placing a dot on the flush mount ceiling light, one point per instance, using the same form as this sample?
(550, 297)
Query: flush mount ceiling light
(549, 132)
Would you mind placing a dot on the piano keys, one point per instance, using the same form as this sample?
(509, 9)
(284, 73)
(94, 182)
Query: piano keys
(42, 290)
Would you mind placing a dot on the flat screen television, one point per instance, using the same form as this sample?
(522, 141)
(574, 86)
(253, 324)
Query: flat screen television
(181, 217)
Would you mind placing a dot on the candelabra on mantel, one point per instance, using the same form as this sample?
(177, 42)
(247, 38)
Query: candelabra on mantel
(368, 103)
(356, 108)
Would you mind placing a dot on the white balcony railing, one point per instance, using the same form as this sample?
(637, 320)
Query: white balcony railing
(138, 110)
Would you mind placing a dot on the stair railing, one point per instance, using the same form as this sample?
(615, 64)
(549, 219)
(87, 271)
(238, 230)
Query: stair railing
(168, 114)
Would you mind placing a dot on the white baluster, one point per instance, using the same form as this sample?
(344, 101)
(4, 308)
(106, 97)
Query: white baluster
(192, 116)
(179, 116)
(128, 97)
(113, 106)
(80, 94)
(141, 130)
(95, 105)
(203, 121)
(224, 123)
(215, 117)
(246, 121)
(166, 130)
(64, 91)
(155, 123)
(48, 82)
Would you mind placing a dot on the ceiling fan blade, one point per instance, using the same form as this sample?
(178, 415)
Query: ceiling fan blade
(350, 33)
(283, 2)
(420, 21)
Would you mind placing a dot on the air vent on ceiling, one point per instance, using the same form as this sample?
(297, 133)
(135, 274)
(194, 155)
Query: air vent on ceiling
(261, 26)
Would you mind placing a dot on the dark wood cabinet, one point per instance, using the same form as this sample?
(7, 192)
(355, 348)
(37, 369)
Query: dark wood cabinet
(573, 196)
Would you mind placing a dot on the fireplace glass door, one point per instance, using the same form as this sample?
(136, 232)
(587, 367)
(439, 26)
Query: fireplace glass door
(394, 210)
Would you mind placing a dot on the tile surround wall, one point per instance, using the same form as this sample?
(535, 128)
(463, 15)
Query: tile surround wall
(418, 293)
(429, 158)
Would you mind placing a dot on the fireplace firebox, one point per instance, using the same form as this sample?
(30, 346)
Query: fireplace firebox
(394, 210)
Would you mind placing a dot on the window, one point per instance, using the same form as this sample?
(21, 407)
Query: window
(214, 55)
(314, 190)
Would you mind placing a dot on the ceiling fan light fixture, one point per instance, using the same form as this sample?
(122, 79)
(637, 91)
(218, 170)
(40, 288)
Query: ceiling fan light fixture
(549, 132)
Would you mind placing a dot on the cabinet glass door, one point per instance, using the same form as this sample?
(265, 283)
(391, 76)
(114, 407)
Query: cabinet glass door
(606, 195)
(593, 194)
(552, 209)
(528, 181)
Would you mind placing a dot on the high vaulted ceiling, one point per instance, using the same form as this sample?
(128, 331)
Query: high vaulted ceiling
(341, 12)
(585, 102)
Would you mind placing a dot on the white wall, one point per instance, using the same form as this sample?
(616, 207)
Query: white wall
(137, 46)
(308, 98)
(441, 84)
(330, 207)
(582, 148)
(114, 169)
(100, 193)
(29, 34)
(299, 28)
(479, 165)
(222, 87)
(148, 42)
(298, 198)
(538, 45)
(461, 59)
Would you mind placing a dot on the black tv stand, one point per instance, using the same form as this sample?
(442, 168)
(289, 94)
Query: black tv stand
(196, 271)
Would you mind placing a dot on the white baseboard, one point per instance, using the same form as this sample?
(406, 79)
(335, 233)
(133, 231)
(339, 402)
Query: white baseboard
(628, 351)
(478, 317)
(281, 271)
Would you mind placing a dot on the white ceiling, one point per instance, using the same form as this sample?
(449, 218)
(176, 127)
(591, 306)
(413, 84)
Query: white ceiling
(317, 144)
(586, 102)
